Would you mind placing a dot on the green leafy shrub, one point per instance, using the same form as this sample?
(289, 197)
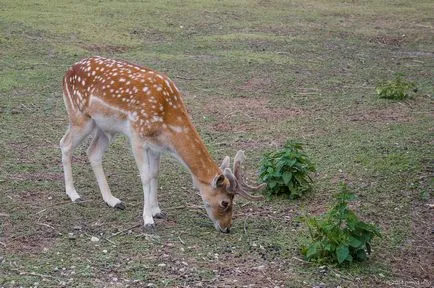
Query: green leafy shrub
(397, 89)
(339, 235)
(286, 172)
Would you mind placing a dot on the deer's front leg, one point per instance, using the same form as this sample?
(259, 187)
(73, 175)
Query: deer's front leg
(148, 164)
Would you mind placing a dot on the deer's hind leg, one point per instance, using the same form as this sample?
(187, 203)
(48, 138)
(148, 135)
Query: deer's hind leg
(95, 153)
(79, 129)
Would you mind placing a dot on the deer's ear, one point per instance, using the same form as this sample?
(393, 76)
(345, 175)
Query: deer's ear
(232, 181)
(218, 181)
(225, 163)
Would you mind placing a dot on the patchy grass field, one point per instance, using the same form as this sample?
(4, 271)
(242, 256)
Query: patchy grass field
(253, 74)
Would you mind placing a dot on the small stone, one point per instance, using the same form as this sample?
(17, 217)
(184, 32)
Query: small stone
(71, 236)
(104, 251)
(161, 265)
(94, 239)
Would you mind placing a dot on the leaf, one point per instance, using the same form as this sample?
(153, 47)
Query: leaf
(287, 176)
(312, 250)
(272, 184)
(354, 242)
(342, 253)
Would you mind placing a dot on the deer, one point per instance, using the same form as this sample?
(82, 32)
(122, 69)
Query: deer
(106, 97)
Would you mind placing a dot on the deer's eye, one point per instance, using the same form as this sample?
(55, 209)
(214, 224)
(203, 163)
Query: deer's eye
(224, 204)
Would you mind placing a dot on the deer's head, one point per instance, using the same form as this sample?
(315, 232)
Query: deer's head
(218, 197)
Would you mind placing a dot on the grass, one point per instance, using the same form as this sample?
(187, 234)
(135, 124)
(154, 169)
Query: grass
(254, 74)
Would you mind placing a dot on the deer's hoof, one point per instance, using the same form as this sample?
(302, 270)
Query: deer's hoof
(120, 205)
(79, 201)
(150, 227)
(161, 215)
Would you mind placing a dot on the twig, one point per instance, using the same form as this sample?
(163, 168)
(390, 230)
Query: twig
(265, 275)
(34, 274)
(180, 240)
(110, 241)
(4, 215)
(102, 237)
(341, 275)
(194, 207)
(124, 230)
(185, 78)
(146, 235)
(245, 204)
(245, 226)
(63, 203)
(176, 208)
(301, 260)
(230, 114)
(26, 107)
(46, 225)
(407, 104)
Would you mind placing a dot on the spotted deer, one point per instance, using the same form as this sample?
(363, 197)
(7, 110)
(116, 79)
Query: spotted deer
(108, 97)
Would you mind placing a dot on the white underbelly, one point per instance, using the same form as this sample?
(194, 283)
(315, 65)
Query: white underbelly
(112, 126)
(108, 118)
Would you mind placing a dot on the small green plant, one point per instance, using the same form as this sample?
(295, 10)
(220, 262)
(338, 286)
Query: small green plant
(397, 89)
(286, 172)
(339, 235)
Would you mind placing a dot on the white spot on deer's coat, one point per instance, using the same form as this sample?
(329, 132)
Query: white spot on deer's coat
(157, 119)
(133, 116)
(177, 129)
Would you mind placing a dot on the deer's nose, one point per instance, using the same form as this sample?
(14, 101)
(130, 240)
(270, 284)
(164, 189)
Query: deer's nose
(225, 230)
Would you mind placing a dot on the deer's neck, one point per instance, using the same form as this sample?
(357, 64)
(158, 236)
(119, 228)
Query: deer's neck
(189, 148)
